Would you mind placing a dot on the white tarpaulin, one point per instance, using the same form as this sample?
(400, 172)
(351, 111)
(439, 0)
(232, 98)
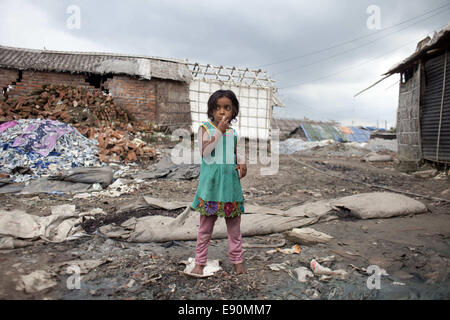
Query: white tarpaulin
(57, 227)
(64, 222)
(379, 205)
(260, 220)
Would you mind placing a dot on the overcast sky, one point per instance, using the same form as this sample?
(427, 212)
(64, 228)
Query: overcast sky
(320, 53)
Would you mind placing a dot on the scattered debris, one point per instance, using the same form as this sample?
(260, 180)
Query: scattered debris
(131, 283)
(425, 174)
(320, 270)
(7, 243)
(294, 250)
(307, 236)
(303, 273)
(36, 281)
(101, 176)
(264, 245)
(292, 145)
(278, 266)
(326, 259)
(211, 267)
(61, 225)
(375, 157)
(172, 287)
(44, 147)
(165, 168)
(360, 270)
(84, 265)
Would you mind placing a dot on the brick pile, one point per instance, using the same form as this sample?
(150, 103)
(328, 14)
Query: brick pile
(92, 112)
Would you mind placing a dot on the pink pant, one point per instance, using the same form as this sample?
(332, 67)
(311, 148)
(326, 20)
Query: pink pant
(205, 231)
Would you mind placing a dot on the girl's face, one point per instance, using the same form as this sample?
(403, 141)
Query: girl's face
(224, 108)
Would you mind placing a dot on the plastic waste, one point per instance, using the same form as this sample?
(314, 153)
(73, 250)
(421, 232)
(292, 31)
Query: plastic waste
(321, 270)
(303, 273)
(45, 147)
(211, 267)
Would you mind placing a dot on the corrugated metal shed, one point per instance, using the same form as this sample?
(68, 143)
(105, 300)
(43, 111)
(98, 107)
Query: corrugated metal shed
(435, 110)
(96, 63)
(424, 46)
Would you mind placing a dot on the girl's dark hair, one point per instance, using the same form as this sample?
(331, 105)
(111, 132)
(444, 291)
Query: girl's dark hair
(212, 103)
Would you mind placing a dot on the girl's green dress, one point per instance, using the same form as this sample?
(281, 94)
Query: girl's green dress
(219, 190)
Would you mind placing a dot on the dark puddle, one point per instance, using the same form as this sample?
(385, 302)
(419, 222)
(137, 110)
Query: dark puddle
(91, 225)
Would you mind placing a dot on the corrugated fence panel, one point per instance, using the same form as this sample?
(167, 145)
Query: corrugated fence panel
(431, 110)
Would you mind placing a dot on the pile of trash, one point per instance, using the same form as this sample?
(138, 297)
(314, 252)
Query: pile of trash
(92, 112)
(35, 147)
(331, 148)
(293, 145)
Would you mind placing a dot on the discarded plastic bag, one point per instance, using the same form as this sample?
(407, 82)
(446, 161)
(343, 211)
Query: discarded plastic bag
(307, 236)
(211, 267)
(303, 273)
(320, 270)
(277, 266)
(293, 250)
(36, 281)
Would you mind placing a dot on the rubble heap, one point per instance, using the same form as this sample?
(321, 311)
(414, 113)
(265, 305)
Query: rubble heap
(92, 112)
(30, 148)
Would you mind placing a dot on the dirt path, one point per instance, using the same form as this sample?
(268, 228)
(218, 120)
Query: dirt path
(414, 250)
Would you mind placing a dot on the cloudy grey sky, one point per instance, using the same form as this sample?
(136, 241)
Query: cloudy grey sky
(320, 53)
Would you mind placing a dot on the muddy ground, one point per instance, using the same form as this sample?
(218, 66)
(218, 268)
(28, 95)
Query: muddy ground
(414, 250)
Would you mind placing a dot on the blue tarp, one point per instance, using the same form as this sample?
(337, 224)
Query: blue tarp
(358, 135)
(318, 132)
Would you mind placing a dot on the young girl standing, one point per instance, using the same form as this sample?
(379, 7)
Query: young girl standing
(219, 192)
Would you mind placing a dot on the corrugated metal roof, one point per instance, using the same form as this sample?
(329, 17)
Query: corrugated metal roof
(286, 126)
(435, 110)
(423, 47)
(97, 63)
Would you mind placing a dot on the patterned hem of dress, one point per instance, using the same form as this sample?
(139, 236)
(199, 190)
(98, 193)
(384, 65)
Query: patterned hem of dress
(220, 208)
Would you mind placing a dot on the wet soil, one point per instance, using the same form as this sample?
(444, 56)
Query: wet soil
(414, 250)
(92, 225)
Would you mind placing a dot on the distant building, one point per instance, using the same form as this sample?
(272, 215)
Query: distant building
(423, 116)
(148, 88)
(255, 91)
(168, 92)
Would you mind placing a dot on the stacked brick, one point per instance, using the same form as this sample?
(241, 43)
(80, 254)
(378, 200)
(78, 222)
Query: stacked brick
(91, 111)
